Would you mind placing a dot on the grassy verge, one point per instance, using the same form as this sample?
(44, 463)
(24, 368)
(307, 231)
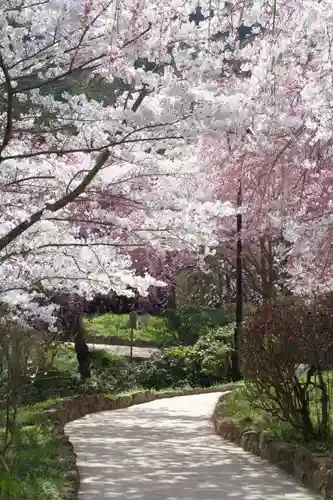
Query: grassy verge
(116, 325)
(36, 467)
(239, 408)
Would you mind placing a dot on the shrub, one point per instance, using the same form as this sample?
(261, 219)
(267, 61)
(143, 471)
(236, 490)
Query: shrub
(208, 361)
(20, 358)
(36, 466)
(190, 322)
(164, 369)
(204, 364)
(112, 372)
(277, 339)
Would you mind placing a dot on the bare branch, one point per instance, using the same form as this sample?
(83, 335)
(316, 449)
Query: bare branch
(98, 222)
(43, 83)
(142, 94)
(63, 152)
(136, 38)
(80, 244)
(59, 204)
(86, 65)
(31, 178)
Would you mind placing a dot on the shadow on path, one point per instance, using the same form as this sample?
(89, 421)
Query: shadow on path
(166, 450)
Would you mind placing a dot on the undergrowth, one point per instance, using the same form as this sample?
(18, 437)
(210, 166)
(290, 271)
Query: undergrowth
(238, 407)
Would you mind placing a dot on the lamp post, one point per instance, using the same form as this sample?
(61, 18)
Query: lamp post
(235, 357)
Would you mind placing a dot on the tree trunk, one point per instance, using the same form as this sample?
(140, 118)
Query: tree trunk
(172, 302)
(83, 355)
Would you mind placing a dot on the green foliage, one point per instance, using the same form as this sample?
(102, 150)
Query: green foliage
(108, 325)
(183, 326)
(164, 369)
(35, 465)
(277, 339)
(204, 364)
(188, 322)
(111, 373)
(238, 406)
(209, 357)
(116, 325)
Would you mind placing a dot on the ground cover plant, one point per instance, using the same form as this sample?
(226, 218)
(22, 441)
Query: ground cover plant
(34, 467)
(239, 407)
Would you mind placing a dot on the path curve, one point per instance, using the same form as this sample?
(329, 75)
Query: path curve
(166, 450)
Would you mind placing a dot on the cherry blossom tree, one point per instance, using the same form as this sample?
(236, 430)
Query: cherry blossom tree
(82, 175)
(131, 123)
(282, 160)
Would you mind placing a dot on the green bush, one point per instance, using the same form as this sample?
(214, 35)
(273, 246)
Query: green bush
(204, 364)
(164, 369)
(208, 360)
(112, 373)
(189, 322)
(36, 467)
(238, 406)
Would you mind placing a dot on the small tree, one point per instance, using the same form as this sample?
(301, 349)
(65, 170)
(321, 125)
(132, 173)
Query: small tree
(277, 340)
(21, 355)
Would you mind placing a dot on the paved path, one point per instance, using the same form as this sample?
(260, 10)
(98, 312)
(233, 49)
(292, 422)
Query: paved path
(122, 350)
(166, 450)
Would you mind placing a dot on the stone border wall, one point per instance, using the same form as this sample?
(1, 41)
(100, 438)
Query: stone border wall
(77, 407)
(313, 470)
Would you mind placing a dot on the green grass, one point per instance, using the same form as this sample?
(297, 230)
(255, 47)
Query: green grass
(110, 373)
(36, 467)
(238, 407)
(116, 325)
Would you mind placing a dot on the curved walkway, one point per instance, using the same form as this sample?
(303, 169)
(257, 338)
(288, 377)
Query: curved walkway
(166, 450)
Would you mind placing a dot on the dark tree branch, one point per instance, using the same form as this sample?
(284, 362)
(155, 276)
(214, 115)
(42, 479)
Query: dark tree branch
(142, 94)
(136, 38)
(59, 152)
(96, 61)
(10, 92)
(58, 205)
(31, 178)
(61, 76)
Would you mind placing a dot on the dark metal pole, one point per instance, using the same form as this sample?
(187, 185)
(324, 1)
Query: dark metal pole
(131, 345)
(133, 324)
(235, 358)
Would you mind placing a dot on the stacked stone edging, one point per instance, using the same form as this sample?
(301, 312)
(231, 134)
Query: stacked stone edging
(314, 470)
(77, 407)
